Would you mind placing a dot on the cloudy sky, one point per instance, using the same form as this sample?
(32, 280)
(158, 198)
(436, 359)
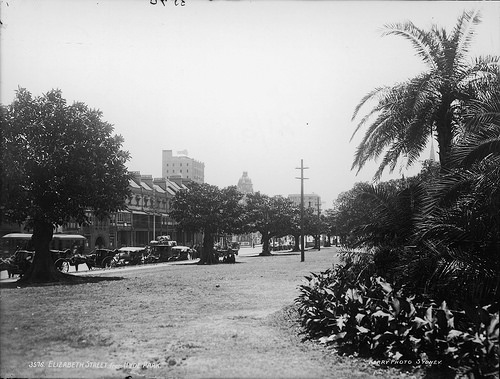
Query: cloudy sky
(250, 86)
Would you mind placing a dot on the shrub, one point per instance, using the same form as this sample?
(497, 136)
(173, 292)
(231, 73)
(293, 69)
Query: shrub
(368, 317)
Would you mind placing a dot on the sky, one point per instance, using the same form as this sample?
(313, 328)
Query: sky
(252, 86)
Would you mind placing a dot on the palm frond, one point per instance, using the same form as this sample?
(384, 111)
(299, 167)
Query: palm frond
(467, 155)
(367, 97)
(463, 33)
(423, 42)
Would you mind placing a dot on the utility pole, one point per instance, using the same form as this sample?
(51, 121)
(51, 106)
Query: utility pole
(154, 213)
(319, 225)
(302, 168)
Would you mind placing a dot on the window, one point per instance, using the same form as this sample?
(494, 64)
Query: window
(123, 218)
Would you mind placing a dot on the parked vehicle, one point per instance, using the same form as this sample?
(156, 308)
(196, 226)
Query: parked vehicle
(21, 260)
(160, 250)
(227, 251)
(12, 242)
(100, 258)
(182, 253)
(63, 259)
(127, 256)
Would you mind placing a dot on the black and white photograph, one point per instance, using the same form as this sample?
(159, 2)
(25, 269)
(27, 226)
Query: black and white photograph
(249, 189)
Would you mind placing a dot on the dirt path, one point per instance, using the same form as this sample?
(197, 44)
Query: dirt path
(179, 321)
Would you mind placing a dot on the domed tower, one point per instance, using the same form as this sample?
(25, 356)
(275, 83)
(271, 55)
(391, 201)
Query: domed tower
(245, 184)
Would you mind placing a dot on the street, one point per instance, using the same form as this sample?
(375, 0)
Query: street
(83, 269)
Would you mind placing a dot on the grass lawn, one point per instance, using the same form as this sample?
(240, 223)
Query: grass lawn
(176, 320)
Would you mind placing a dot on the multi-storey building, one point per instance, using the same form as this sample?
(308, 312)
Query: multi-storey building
(310, 200)
(245, 184)
(144, 218)
(182, 166)
(146, 215)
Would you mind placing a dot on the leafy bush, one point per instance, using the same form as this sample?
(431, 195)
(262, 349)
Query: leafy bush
(368, 317)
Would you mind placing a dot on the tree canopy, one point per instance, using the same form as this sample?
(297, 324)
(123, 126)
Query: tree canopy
(270, 216)
(208, 209)
(58, 162)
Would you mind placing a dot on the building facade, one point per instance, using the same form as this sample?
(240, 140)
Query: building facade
(174, 166)
(245, 184)
(310, 200)
(144, 217)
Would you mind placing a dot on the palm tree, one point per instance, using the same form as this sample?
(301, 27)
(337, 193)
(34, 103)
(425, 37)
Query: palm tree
(460, 222)
(407, 114)
(482, 119)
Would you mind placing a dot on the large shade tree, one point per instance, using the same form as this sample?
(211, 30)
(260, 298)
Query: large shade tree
(349, 213)
(210, 210)
(406, 115)
(270, 216)
(308, 226)
(59, 162)
(329, 218)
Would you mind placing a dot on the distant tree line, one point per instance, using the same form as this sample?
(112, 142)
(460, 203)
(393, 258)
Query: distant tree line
(213, 211)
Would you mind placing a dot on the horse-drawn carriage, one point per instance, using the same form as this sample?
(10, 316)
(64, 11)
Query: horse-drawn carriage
(18, 263)
(21, 260)
(17, 252)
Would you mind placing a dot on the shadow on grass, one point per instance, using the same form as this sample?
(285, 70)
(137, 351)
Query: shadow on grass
(68, 281)
(218, 264)
(273, 254)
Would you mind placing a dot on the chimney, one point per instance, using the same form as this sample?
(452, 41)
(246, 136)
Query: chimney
(148, 179)
(160, 182)
(136, 177)
(177, 179)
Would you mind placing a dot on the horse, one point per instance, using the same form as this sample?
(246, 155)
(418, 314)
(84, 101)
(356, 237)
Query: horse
(83, 259)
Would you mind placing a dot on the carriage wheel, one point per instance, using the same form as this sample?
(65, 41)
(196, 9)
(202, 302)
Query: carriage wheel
(106, 263)
(62, 265)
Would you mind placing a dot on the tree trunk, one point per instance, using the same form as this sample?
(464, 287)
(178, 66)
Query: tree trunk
(444, 131)
(296, 245)
(265, 243)
(42, 269)
(328, 242)
(208, 256)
